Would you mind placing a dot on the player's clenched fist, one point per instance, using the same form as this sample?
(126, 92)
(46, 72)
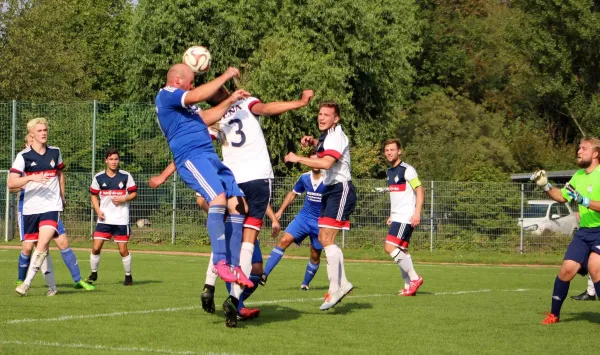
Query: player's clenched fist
(291, 158)
(232, 72)
(308, 141)
(307, 95)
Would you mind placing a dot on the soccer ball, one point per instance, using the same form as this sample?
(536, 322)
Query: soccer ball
(197, 58)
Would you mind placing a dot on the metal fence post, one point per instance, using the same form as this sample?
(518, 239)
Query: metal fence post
(7, 214)
(431, 220)
(522, 212)
(93, 162)
(174, 207)
(343, 238)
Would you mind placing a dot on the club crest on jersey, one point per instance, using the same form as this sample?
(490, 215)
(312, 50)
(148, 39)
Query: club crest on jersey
(396, 178)
(120, 184)
(589, 189)
(52, 163)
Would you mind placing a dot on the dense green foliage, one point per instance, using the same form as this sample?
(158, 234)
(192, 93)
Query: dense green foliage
(476, 89)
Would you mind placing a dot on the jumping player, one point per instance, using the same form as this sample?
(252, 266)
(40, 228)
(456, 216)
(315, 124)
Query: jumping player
(406, 197)
(186, 130)
(339, 198)
(111, 191)
(305, 224)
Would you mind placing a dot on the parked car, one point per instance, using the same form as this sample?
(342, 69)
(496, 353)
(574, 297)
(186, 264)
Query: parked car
(548, 215)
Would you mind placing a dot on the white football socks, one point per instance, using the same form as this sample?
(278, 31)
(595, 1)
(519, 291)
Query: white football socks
(94, 262)
(333, 254)
(127, 264)
(211, 275)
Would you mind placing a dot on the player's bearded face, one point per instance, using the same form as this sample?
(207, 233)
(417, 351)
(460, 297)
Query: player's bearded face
(112, 162)
(585, 155)
(392, 152)
(327, 118)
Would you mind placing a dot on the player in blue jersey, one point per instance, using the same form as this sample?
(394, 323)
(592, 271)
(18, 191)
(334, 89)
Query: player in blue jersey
(186, 130)
(305, 224)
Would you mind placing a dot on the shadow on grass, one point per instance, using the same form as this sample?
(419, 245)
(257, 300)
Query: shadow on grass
(268, 314)
(348, 307)
(583, 316)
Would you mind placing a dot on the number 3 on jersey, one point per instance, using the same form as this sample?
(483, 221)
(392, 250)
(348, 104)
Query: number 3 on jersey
(238, 132)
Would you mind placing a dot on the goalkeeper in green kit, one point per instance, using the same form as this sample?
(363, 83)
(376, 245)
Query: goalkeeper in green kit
(583, 254)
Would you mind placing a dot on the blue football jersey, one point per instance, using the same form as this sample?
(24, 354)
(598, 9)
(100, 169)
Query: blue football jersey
(186, 133)
(314, 191)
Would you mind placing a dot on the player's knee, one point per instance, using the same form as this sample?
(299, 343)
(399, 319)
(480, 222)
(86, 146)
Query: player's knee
(257, 268)
(62, 242)
(389, 247)
(568, 270)
(237, 204)
(27, 248)
(285, 241)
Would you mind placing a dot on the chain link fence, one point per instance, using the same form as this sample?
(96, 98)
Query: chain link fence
(455, 216)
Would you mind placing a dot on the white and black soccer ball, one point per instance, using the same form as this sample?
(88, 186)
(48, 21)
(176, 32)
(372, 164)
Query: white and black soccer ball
(197, 58)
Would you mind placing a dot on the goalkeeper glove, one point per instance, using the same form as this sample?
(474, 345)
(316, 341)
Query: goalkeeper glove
(584, 201)
(540, 179)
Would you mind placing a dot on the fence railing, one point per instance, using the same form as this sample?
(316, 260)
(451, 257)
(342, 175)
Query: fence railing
(455, 216)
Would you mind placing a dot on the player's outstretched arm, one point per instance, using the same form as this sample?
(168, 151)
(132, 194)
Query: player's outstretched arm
(204, 92)
(156, 181)
(289, 198)
(213, 115)
(325, 162)
(540, 179)
(279, 107)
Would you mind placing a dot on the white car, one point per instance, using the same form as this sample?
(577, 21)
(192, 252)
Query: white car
(549, 215)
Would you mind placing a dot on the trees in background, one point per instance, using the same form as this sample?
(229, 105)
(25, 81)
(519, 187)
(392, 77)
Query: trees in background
(476, 89)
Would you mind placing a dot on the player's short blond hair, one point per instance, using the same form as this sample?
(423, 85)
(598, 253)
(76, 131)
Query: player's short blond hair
(595, 142)
(35, 121)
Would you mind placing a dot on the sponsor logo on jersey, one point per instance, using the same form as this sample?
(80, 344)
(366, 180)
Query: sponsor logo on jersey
(112, 193)
(46, 173)
(33, 163)
(103, 184)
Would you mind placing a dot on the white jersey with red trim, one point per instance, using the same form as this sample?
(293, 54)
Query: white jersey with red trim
(402, 195)
(335, 143)
(245, 151)
(107, 187)
(39, 198)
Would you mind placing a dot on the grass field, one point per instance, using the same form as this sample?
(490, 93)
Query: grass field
(459, 309)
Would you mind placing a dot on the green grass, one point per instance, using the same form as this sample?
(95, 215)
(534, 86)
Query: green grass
(459, 309)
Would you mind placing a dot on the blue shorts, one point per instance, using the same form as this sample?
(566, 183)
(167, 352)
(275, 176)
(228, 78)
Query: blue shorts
(257, 255)
(337, 204)
(121, 233)
(208, 176)
(29, 225)
(585, 241)
(399, 234)
(258, 195)
(60, 228)
(305, 226)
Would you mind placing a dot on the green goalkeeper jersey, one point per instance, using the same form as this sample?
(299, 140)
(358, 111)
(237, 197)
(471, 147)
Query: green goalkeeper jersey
(588, 185)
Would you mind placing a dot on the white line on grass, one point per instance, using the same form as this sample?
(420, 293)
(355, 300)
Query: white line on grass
(256, 303)
(102, 347)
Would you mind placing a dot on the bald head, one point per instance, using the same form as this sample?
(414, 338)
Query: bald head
(180, 76)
